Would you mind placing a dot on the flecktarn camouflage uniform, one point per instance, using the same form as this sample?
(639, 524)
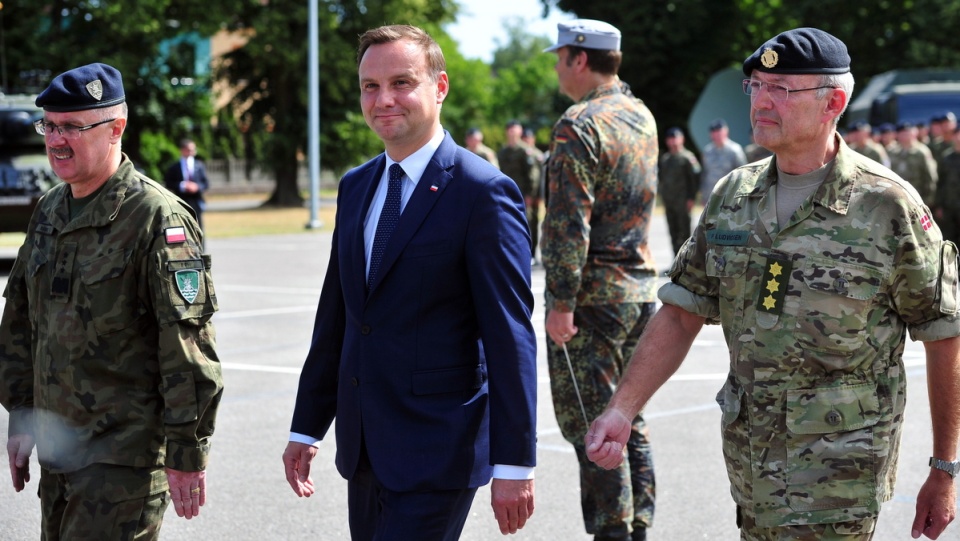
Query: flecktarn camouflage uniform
(679, 179)
(106, 345)
(815, 314)
(602, 187)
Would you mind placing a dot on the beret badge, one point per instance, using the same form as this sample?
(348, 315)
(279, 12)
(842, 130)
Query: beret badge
(769, 58)
(95, 88)
(580, 38)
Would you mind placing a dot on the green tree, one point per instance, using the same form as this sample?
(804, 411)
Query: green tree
(671, 48)
(42, 38)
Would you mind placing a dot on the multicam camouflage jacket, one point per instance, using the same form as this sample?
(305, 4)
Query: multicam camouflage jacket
(106, 345)
(602, 175)
(815, 313)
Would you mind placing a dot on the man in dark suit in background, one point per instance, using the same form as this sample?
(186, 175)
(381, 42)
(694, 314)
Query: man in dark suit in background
(423, 348)
(187, 177)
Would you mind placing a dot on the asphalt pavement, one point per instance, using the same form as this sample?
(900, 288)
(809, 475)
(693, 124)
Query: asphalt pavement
(268, 288)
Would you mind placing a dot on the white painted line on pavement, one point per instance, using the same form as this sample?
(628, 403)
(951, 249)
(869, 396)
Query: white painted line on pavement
(261, 368)
(265, 312)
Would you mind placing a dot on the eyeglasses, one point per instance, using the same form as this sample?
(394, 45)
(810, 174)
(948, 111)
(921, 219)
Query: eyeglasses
(778, 93)
(68, 131)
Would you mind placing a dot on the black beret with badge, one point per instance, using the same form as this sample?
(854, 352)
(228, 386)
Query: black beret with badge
(93, 86)
(800, 51)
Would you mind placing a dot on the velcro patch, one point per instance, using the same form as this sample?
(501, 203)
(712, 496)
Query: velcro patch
(773, 288)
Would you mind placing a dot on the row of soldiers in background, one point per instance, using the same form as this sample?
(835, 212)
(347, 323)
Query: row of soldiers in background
(681, 175)
(928, 158)
(521, 160)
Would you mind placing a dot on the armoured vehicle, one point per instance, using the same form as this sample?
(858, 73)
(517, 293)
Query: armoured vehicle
(25, 172)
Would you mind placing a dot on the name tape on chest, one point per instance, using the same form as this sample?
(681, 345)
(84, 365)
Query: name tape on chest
(727, 238)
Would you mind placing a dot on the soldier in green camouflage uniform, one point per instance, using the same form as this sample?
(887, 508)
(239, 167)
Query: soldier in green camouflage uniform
(815, 294)
(679, 180)
(913, 161)
(520, 162)
(861, 141)
(474, 143)
(947, 209)
(107, 357)
(601, 278)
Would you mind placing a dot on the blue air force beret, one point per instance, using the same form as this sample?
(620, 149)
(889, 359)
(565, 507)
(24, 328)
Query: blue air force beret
(800, 51)
(718, 124)
(588, 34)
(88, 87)
(674, 132)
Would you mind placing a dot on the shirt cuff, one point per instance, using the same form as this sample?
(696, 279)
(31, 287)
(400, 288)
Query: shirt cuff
(514, 473)
(303, 438)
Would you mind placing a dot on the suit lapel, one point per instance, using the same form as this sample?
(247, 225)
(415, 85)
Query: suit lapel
(352, 222)
(434, 181)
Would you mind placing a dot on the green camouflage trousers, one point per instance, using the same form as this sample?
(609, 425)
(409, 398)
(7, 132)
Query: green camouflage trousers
(860, 530)
(103, 501)
(614, 502)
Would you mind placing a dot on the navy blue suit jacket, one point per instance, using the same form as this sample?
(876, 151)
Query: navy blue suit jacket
(435, 367)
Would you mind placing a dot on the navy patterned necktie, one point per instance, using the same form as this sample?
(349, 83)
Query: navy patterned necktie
(389, 216)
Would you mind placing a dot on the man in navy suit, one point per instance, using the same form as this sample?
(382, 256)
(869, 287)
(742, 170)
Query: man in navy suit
(423, 348)
(187, 178)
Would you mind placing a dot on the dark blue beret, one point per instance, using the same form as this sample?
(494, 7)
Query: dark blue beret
(860, 125)
(886, 127)
(673, 132)
(905, 125)
(88, 87)
(800, 51)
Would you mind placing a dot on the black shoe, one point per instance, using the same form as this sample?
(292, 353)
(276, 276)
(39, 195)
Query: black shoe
(623, 537)
(639, 534)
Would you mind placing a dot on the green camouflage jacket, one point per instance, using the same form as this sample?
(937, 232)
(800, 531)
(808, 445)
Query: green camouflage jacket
(520, 163)
(815, 314)
(602, 185)
(106, 345)
(679, 178)
(917, 166)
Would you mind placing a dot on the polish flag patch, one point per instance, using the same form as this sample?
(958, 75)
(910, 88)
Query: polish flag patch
(926, 222)
(433, 188)
(175, 235)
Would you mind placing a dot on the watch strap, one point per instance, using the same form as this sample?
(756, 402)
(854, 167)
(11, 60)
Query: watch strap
(952, 468)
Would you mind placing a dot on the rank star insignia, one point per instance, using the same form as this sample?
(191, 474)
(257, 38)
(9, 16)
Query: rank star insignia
(95, 88)
(772, 293)
(769, 58)
(773, 286)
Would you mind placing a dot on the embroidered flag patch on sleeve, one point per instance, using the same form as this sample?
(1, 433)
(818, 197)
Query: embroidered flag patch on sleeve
(175, 235)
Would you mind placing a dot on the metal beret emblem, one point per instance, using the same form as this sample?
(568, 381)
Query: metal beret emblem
(580, 38)
(95, 88)
(769, 58)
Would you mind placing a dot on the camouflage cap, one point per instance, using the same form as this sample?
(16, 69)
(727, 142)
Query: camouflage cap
(800, 51)
(588, 34)
(93, 86)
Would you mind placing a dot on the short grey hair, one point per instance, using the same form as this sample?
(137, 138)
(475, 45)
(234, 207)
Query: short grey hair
(843, 81)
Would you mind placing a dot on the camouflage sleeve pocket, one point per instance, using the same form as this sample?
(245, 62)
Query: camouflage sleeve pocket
(947, 285)
(180, 398)
(831, 452)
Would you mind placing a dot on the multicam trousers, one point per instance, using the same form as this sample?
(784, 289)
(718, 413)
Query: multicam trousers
(860, 530)
(103, 501)
(614, 502)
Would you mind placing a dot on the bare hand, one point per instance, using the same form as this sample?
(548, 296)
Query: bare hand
(512, 502)
(296, 463)
(936, 505)
(606, 440)
(560, 327)
(19, 447)
(188, 490)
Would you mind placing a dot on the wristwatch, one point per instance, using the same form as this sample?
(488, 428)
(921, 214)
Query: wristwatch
(952, 468)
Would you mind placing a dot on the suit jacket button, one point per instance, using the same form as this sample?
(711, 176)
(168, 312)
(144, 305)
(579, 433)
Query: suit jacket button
(355, 382)
(365, 330)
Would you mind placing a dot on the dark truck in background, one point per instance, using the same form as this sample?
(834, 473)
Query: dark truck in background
(914, 95)
(25, 172)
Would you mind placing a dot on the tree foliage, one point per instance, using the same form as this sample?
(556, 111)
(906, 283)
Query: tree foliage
(671, 48)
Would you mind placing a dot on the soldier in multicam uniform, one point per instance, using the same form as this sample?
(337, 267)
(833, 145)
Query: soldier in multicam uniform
(679, 180)
(520, 161)
(816, 264)
(107, 357)
(947, 209)
(600, 274)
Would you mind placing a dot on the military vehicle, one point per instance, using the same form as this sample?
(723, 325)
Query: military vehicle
(911, 95)
(25, 172)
